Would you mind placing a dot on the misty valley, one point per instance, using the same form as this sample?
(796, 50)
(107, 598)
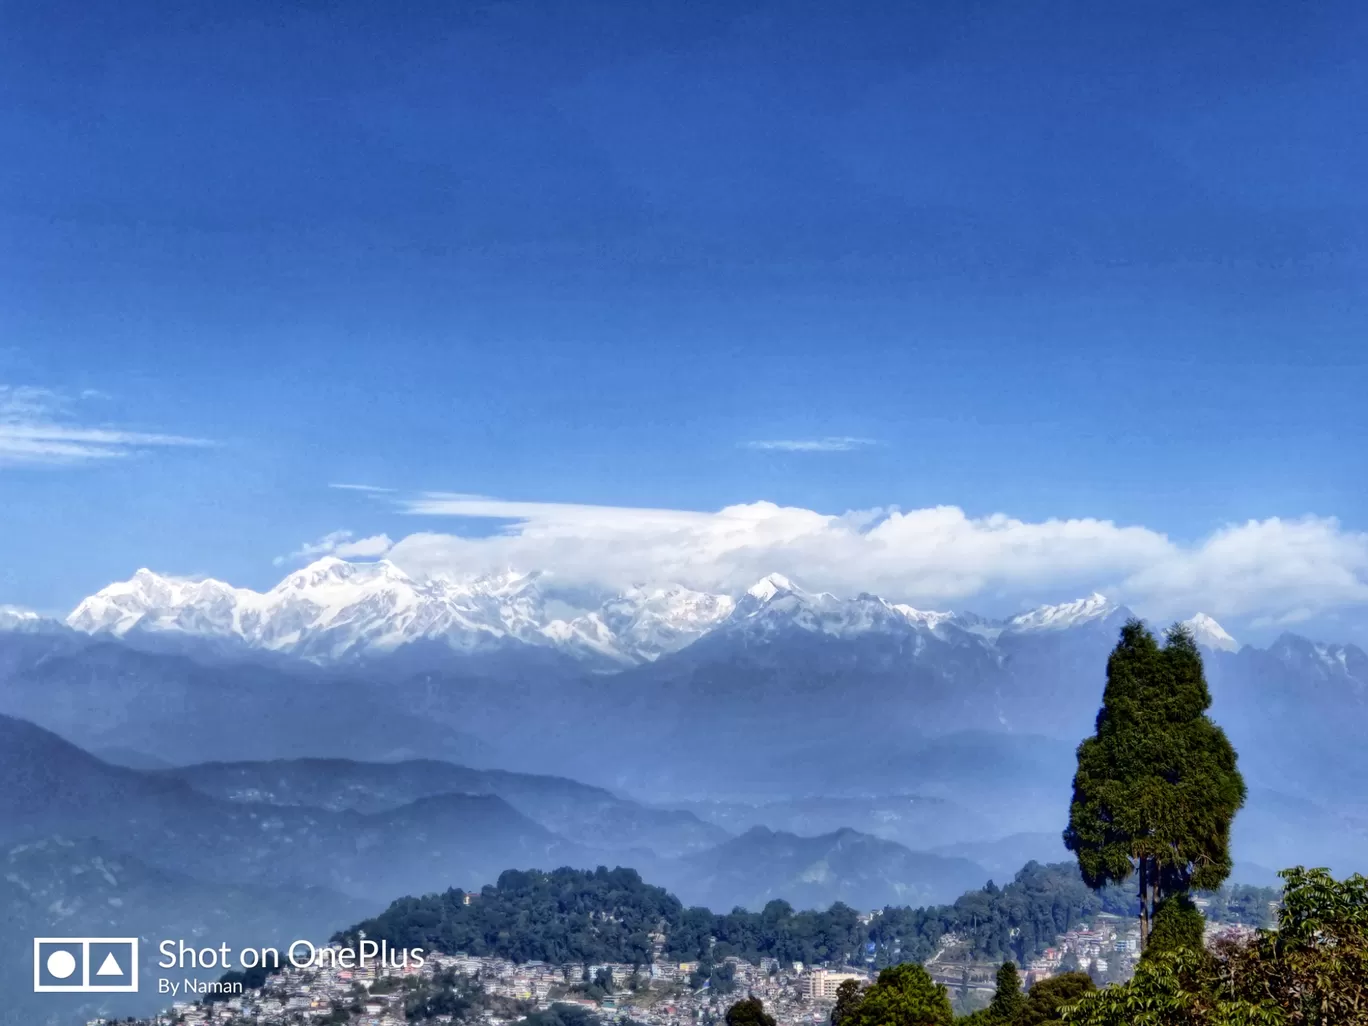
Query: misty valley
(166, 775)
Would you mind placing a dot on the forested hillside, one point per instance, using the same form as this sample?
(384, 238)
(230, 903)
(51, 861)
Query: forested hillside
(608, 916)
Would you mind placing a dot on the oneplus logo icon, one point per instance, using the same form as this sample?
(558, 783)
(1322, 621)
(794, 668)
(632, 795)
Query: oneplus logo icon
(85, 965)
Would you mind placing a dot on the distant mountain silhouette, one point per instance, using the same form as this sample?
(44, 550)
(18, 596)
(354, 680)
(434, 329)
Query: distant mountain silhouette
(811, 872)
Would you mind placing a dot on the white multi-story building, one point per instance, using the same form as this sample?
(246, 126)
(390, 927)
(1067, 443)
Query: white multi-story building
(822, 984)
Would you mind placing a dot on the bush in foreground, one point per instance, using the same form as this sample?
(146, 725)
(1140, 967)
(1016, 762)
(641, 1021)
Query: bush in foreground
(1311, 971)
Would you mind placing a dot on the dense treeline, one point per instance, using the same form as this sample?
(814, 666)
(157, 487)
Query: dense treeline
(609, 915)
(1017, 921)
(1310, 971)
(570, 915)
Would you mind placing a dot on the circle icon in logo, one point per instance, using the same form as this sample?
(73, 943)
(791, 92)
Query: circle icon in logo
(61, 964)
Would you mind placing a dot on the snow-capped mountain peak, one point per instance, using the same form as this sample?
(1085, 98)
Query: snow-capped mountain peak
(769, 586)
(929, 618)
(1208, 632)
(1067, 614)
(334, 609)
(152, 601)
(20, 620)
(775, 604)
(649, 622)
(331, 569)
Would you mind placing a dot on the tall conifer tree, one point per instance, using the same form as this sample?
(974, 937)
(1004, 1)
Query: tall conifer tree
(1157, 785)
(1008, 1000)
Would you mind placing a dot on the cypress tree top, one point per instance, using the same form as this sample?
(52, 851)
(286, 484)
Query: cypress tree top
(1157, 785)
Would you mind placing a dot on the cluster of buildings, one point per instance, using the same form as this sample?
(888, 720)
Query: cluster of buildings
(1238, 932)
(1110, 945)
(660, 994)
(298, 996)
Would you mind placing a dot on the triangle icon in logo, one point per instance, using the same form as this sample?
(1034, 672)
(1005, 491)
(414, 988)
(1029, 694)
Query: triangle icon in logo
(109, 967)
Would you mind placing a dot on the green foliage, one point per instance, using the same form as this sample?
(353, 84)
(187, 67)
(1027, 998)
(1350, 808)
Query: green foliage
(1311, 971)
(1175, 988)
(749, 1012)
(1008, 1001)
(981, 1017)
(1157, 785)
(848, 997)
(1315, 965)
(1046, 998)
(778, 932)
(607, 916)
(446, 994)
(561, 1015)
(1018, 921)
(565, 916)
(722, 978)
(904, 995)
(1177, 924)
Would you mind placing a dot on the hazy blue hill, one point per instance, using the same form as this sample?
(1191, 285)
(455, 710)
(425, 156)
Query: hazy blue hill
(739, 719)
(52, 787)
(180, 709)
(1297, 712)
(20, 650)
(60, 887)
(129, 758)
(436, 841)
(917, 821)
(1005, 854)
(813, 872)
(586, 815)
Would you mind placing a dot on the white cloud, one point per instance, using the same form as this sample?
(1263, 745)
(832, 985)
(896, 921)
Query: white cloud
(1277, 570)
(342, 544)
(832, 443)
(931, 557)
(39, 426)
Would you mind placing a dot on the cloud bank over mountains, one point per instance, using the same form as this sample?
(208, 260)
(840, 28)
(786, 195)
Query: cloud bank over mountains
(1272, 571)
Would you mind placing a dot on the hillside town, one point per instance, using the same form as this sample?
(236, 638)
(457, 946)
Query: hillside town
(664, 993)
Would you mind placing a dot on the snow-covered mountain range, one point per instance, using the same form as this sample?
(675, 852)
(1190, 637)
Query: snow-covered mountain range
(334, 610)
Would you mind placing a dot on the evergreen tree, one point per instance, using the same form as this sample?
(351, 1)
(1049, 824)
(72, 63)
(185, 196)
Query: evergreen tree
(1157, 785)
(1047, 997)
(749, 1012)
(1178, 923)
(1008, 1001)
(848, 997)
(904, 995)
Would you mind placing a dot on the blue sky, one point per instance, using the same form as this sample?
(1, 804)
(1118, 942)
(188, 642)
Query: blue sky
(1043, 260)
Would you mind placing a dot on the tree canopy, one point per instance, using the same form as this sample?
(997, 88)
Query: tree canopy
(903, 995)
(1008, 1001)
(749, 1012)
(848, 997)
(1157, 785)
(605, 915)
(1311, 971)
